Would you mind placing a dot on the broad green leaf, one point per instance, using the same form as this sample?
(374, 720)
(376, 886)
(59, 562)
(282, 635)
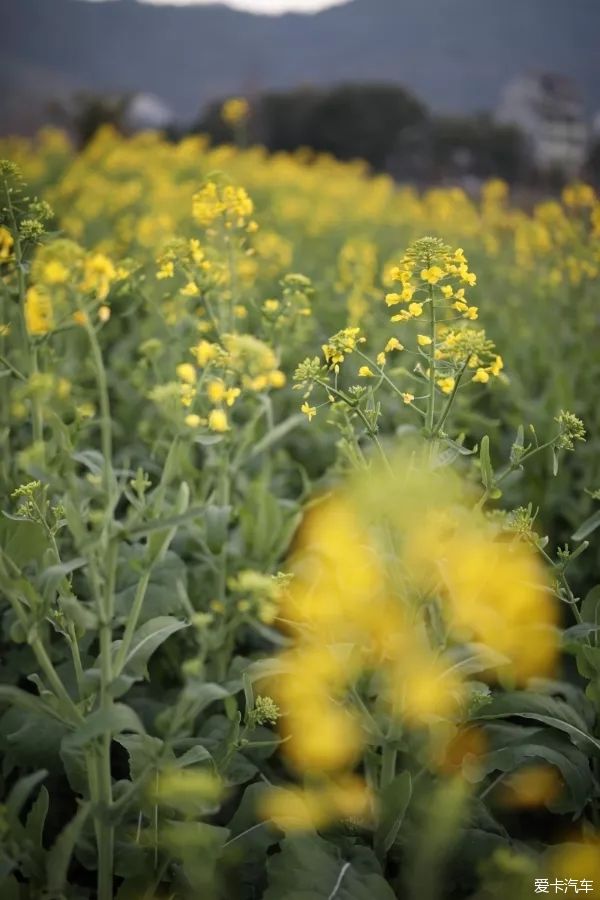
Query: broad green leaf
(590, 608)
(14, 696)
(10, 888)
(21, 792)
(193, 756)
(394, 803)
(208, 440)
(310, 868)
(251, 837)
(91, 459)
(116, 720)
(475, 658)
(203, 694)
(547, 710)
(75, 767)
(547, 748)
(23, 542)
(59, 856)
(53, 575)
(146, 641)
(161, 597)
(276, 434)
(587, 527)
(36, 818)
(196, 512)
(144, 751)
(199, 847)
(216, 521)
(31, 741)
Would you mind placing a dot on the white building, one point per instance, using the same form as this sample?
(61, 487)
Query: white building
(146, 112)
(550, 113)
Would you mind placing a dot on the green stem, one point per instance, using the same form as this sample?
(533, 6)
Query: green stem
(53, 679)
(513, 468)
(450, 400)
(76, 656)
(431, 399)
(105, 834)
(105, 414)
(132, 620)
(38, 416)
(13, 369)
(389, 760)
(382, 373)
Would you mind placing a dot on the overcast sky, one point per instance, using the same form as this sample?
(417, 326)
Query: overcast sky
(263, 6)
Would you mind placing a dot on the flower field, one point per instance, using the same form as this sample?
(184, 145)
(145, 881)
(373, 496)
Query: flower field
(299, 566)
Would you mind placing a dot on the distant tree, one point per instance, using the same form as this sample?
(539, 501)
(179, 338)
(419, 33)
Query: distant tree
(384, 125)
(351, 121)
(364, 121)
(85, 112)
(476, 145)
(592, 168)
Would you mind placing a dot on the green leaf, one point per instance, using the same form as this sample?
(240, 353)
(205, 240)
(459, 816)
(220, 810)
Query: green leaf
(202, 695)
(14, 696)
(276, 434)
(475, 658)
(217, 525)
(590, 608)
(74, 761)
(36, 819)
(82, 616)
(199, 846)
(143, 750)
(59, 856)
(588, 527)
(193, 756)
(208, 440)
(146, 641)
(394, 803)
(53, 575)
(91, 459)
(22, 541)
(545, 747)
(310, 868)
(251, 837)
(116, 720)
(196, 512)
(21, 792)
(487, 473)
(10, 888)
(161, 596)
(547, 710)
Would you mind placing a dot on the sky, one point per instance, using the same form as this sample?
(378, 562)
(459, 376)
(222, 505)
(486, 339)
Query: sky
(262, 6)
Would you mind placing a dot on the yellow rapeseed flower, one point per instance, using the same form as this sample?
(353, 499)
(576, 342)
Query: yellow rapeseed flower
(191, 289)
(186, 372)
(217, 421)
(393, 344)
(309, 411)
(38, 311)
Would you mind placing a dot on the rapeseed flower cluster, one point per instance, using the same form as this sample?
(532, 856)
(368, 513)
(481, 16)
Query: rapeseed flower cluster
(354, 610)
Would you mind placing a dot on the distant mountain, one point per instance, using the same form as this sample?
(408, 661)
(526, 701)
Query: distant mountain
(456, 55)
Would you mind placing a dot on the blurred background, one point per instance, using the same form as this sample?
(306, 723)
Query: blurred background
(429, 91)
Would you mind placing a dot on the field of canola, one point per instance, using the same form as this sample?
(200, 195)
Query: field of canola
(299, 477)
